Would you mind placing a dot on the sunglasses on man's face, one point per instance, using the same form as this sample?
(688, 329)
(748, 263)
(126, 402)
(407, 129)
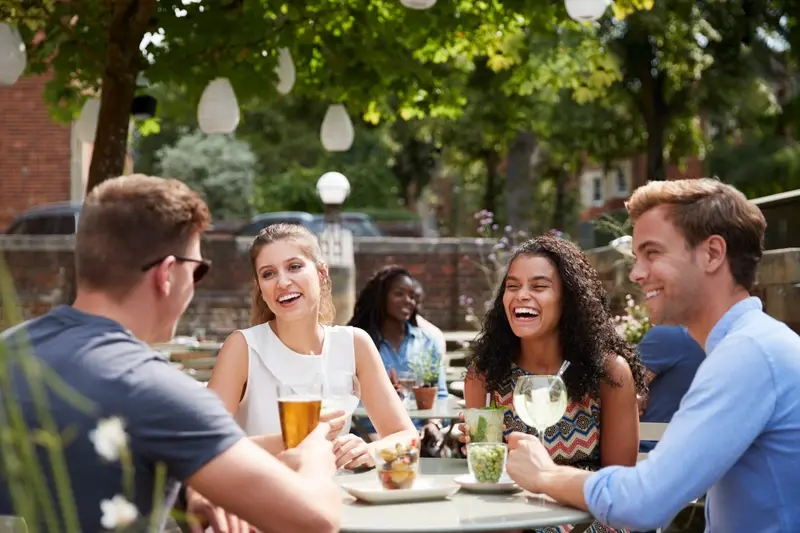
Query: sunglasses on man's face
(200, 271)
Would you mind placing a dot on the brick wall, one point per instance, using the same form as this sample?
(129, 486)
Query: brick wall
(43, 274)
(34, 151)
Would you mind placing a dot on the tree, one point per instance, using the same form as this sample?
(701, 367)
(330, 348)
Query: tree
(218, 166)
(356, 51)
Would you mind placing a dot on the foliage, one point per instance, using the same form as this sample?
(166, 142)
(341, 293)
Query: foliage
(218, 166)
(425, 366)
(633, 325)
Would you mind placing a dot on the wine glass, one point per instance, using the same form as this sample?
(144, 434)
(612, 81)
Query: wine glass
(342, 392)
(407, 381)
(540, 401)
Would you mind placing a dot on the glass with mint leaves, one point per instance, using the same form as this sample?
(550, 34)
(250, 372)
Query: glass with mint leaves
(485, 423)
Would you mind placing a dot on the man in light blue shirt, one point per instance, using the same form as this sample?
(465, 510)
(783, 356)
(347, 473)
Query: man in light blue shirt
(736, 435)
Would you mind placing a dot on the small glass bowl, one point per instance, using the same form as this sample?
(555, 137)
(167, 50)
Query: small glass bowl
(487, 461)
(397, 465)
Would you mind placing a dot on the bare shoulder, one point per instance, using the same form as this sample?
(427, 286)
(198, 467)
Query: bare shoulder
(361, 340)
(234, 343)
(618, 370)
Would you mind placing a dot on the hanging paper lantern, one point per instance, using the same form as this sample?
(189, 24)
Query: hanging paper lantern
(418, 4)
(285, 71)
(337, 132)
(586, 10)
(86, 126)
(13, 57)
(218, 110)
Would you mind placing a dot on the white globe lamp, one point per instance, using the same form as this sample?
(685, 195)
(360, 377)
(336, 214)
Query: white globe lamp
(586, 10)
(418, 4)
(86, 125)
(337, 133)
(218, 110)
(333, 188)
(285, 71)
(13, 57)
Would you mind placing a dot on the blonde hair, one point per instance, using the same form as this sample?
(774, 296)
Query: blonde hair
(700, 208)
(260, 312)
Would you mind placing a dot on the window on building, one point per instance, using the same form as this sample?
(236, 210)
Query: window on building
(597, 189)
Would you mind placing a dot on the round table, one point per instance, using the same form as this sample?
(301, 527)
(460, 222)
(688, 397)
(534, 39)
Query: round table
(462, 512)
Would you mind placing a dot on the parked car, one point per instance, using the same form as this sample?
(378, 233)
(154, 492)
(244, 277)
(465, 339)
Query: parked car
(259, 222)
(360, 224)
(52, 219)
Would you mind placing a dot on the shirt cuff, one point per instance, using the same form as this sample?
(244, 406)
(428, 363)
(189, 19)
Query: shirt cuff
(596, 493)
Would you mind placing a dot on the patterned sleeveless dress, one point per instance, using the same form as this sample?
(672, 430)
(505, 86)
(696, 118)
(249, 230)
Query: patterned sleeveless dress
(574, 441)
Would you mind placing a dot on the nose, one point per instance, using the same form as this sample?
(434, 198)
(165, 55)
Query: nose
(283, 279)
(638, 273)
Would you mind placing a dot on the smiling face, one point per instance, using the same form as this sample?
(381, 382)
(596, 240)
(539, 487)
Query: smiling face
(289, 281)
(400, 298)
(667, 270)
(532, 296)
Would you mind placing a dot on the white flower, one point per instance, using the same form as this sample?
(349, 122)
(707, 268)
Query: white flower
(117, 512)
(109, 438)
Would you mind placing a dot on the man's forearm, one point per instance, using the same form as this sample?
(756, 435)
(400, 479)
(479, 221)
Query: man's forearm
(565, 485)
(273, 443)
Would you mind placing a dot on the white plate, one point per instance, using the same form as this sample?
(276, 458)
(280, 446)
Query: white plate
(424, 489)
(469, 483)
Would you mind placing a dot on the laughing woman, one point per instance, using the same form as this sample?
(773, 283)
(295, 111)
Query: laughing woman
(290, 342)
(550, 308)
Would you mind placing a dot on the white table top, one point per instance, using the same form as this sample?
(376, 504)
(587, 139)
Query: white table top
(462, 512)
(446, 408)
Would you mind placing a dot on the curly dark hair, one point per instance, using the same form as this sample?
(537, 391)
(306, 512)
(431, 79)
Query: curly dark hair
(586, 331)
(370, 308)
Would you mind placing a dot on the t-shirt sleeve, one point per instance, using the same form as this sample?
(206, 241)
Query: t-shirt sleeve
(174, 420)
(661, 348)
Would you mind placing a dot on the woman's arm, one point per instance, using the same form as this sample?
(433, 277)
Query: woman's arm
(474, 390)
(229, 380)
(619, 416)
(383, 405)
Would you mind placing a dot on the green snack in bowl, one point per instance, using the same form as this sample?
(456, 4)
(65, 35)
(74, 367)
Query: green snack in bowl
(487, 462)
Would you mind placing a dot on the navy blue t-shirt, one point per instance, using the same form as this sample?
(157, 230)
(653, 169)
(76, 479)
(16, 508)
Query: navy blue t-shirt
(171, 419)
(674, 356)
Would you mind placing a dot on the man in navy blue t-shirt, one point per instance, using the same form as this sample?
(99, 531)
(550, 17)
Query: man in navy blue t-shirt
(671, 357)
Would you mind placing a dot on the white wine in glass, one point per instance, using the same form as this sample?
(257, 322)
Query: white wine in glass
(342, 392)
(540, 401)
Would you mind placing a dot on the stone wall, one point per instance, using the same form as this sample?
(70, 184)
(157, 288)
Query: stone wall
(43, 274)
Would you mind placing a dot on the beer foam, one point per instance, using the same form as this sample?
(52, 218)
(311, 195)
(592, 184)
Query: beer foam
(301, 398)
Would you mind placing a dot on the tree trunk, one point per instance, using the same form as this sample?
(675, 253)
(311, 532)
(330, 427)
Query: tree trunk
(491, 160)
(656, 133)
(559, 217)
(123, 62)
(519, 185)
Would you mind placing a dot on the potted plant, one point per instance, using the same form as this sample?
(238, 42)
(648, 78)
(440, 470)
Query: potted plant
(426, 369)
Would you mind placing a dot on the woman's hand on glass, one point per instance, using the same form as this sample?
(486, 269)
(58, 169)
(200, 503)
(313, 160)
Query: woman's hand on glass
(352, 452)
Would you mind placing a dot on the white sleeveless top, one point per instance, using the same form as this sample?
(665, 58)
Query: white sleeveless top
(271, 363)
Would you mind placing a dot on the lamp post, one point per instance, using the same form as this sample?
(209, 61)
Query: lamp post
(336, 243)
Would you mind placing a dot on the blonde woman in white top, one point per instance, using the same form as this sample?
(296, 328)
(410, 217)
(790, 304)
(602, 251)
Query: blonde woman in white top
(290, 343)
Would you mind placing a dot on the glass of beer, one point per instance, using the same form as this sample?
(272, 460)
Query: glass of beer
(299, 407)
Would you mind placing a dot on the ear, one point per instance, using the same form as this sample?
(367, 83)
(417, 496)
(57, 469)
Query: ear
(323, 273)
(715, 253)
(163, 276)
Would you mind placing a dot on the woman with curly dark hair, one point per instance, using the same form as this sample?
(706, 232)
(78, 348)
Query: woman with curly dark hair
(552, 307)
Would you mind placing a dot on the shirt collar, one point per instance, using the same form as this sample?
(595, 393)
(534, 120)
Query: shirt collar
(723, 327)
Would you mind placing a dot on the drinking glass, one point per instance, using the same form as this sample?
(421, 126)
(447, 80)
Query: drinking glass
(299, 408)
(342, 392)
(407, 381)
(540, 401)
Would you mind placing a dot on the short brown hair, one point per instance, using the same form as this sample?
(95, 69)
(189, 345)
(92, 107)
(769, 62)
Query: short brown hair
(700, 208)
(129, 221)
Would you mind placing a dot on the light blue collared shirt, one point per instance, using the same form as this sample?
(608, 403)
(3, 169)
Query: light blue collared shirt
(416, 342)
(735, 436)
